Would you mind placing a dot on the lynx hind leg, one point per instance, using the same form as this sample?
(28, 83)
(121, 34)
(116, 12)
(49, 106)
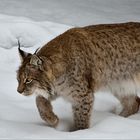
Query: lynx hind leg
(46, 111)
(130, 104)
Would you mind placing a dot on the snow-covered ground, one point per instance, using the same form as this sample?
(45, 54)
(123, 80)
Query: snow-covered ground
(74, 12)
(18, 114)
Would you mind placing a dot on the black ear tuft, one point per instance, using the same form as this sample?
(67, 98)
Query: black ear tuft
(22, 54)
(37, 50)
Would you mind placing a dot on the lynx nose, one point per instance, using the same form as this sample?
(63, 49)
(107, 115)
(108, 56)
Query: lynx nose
(20, 90)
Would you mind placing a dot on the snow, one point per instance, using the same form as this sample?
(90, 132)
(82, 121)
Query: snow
(19, 117)
(28, 32)
(74, 12)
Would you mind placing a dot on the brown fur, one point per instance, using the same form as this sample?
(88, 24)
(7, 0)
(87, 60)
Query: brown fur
(80, 62)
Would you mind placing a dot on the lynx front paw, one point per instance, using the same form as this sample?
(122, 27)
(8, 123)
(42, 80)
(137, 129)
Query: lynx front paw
(46, 111)
(53, 121)
(50, 118)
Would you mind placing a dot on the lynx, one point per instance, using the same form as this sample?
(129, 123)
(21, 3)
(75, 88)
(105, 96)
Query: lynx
(80, 62)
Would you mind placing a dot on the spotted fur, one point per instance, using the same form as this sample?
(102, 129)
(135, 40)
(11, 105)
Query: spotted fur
(80, 62)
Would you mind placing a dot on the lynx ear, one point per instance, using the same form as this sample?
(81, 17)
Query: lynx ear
(22, 54)
(35, 60)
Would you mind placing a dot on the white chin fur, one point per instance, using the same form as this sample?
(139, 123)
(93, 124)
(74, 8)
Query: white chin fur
(41, 92)
(25, 94)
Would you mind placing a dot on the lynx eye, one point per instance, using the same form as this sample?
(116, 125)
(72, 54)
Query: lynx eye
(28, 81)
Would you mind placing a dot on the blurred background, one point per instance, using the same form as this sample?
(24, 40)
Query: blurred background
(74, 12)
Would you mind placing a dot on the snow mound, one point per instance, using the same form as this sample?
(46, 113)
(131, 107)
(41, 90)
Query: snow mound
(29, 33)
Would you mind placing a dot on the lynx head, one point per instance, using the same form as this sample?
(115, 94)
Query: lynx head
(34, 75)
